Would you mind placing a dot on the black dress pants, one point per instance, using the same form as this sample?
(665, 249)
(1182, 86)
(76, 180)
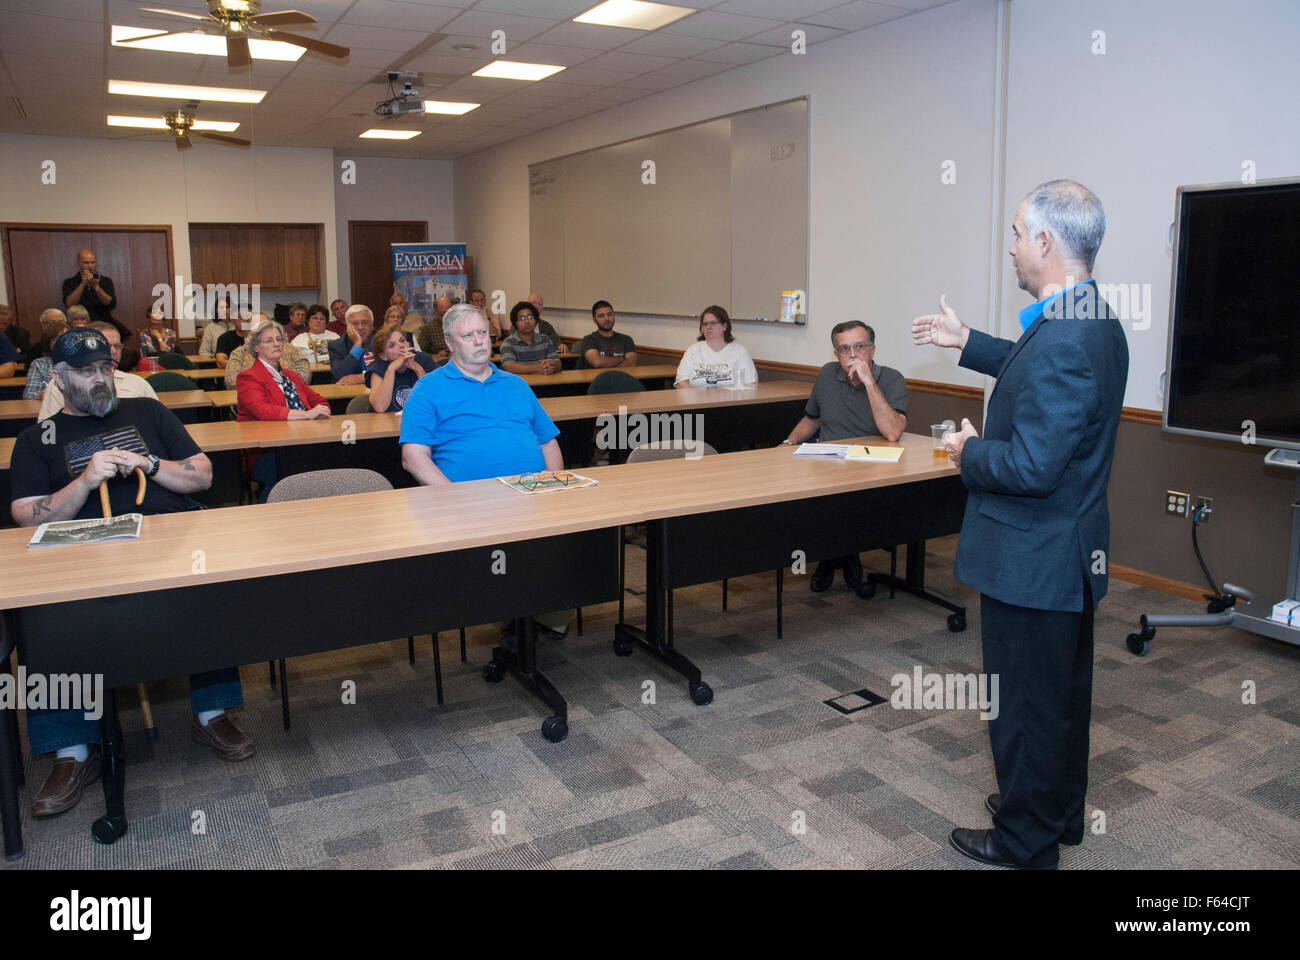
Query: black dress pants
(1043, 660)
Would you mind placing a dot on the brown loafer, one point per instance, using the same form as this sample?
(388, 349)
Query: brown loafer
(226, 740)
(62, 788)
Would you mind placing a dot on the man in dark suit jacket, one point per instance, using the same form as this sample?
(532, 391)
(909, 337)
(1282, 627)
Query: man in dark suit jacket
(1036, 533)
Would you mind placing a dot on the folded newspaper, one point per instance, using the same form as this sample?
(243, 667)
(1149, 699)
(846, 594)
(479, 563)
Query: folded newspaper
(849, 451)
(547, 481)
(125, 527)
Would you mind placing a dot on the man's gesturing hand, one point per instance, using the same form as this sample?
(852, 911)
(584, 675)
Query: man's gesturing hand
(955, 441)
(942, 329)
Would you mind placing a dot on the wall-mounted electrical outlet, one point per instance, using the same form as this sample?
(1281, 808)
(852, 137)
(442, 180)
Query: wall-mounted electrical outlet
(1206, 506)
(1175, 503)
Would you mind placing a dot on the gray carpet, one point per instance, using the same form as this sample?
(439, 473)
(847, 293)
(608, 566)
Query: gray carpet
(1185, 774)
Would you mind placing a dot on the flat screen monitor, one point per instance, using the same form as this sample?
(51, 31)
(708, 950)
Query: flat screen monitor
(1233, 358)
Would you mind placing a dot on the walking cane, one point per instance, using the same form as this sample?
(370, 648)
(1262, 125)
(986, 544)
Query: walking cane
(146, 711)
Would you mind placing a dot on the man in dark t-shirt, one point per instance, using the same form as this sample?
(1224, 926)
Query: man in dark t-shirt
(92, 290)
(604, 347)
(56, 470)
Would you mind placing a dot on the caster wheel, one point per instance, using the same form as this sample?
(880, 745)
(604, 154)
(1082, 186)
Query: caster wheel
(956, 622)
(494, 671)
(108, 830)
(701, 693)
(622, 648)
(555, 729)
(866, 590)
(1139, 643)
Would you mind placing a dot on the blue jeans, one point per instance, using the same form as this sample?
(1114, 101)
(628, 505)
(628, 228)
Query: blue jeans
(50, 730)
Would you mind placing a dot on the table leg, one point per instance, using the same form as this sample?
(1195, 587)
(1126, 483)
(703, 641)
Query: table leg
(654, 639)
(10, 755)
(111, 826)
(522, 663)
(913, 582)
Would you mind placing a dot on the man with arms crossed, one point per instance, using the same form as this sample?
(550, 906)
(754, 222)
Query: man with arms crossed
(1035, 537)
(604, 347)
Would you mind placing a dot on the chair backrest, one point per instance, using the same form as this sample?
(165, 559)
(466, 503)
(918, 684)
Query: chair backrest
(615, 381)
(665, 450)
(327, 483)
(359, 404)
(175, 361)
(165, 381)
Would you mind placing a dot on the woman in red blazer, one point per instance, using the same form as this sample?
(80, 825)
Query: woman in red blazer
(268, 391)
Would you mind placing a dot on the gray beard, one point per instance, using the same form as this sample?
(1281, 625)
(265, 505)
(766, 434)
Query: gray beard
(98, 402)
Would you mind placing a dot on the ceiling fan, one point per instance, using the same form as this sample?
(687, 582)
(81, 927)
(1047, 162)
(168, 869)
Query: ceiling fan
(239, 20)
(181, 123)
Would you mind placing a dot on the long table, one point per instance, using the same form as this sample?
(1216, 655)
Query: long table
(173, 400)
(83, 609)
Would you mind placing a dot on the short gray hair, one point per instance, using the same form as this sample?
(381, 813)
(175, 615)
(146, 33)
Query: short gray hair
(52, 316)
(255, 335)
(1071, 214)
(458, 311)
(358, 308)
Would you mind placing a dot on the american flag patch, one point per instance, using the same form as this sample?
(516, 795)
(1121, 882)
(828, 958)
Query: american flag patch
(79, 452)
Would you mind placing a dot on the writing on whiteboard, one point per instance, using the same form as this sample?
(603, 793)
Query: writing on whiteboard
(782, 151)
(539, 183)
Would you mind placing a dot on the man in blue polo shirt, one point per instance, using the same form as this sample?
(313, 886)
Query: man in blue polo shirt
(468, 420)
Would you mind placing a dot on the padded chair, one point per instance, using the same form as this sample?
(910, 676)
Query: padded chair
(337, 483)
(615, 381)
(175, 361)
(167, 382)
(359, 404)
(656, 451)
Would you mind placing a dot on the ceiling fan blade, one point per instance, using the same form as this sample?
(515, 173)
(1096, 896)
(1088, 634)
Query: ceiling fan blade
(237, 51)
(154, 36)
(174, 13)
(183, 142)
(319, 46)
(237, 141)
(281, 18)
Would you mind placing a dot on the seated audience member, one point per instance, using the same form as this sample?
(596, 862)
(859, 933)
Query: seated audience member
(269, 391)
(130, 360)
(41, 370)
(545, 328)
(212, 331)
(124, 384)
(9, 357)
(430, 337)
(397, 300)
(396, 370)
(157, 337)
(603, 347)
(230, 341)
(297, 324)
(526, 350)
(314, 345)
(78, 316)
(410, 325)
(241, 358)
(60, 480)
(854, 397)
(469, 420)
(338, 318)
(351, 356)
(16, 332)
(496, 326)
(49, 318)
(715, 355)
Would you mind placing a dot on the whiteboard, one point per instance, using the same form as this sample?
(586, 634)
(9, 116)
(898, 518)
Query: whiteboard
(714, 212)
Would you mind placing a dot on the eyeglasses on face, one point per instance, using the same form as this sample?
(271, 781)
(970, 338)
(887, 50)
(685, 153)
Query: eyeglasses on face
(711, 323)
(844, 349)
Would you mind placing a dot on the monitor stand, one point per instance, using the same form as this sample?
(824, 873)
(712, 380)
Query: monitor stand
(1247, 613)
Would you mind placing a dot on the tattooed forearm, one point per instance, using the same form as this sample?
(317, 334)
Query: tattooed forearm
(41, 507)
(186, 465)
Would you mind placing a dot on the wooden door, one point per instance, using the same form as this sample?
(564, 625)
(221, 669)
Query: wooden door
(301, 257)
(39, 256)
(371, 259)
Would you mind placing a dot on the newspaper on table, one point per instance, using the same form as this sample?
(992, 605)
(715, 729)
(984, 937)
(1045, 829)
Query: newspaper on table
(547, 481)
(125, 527)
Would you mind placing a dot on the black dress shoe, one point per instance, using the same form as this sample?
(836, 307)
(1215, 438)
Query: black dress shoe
(853, 572)
(823, 576)
(994, 800)
(983, 845)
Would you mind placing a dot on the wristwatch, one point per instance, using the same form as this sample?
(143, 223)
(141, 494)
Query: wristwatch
(154, 464)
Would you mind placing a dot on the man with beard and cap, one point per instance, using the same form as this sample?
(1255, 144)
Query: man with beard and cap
(101, 439)
(124, 384)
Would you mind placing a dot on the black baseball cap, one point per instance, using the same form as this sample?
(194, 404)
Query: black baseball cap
(81, 347)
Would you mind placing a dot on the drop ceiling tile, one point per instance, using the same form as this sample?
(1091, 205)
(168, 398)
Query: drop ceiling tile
(776, 9)
(650, 83)
(783, 36)
(667, 45)
(628, 62)
(468, 89)
(556, 9)
(424, 17)
(540, 96)
(737, 54)
(589, 75)
(480, 24)
(375, 38)
(612, 96)
(720, 26)
(442, 62)
(14, 27)
(537, 52)
(589, 35)
(857, 15)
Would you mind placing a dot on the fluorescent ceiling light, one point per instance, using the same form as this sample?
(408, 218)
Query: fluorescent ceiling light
(180, 91)
(510, 70)
(379, 133)
(634, 14)
(158, 123)
(204, 44)
(448, 106)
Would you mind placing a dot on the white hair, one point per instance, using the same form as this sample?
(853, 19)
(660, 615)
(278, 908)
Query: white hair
(358, 308)
(455, 313)
(1071, 214)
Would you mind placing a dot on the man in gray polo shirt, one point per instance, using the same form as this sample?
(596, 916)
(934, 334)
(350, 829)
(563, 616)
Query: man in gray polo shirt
(854, 397)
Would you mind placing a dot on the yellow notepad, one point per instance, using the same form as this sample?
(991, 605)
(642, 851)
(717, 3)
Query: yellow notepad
(881, 454)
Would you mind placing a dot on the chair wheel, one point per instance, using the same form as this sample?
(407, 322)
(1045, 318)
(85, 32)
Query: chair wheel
(494, 671)
(622, 648)
(701, 693)
(956, 622)
(108, 830)
(555, 729)
(866, 590)
(1139, 644)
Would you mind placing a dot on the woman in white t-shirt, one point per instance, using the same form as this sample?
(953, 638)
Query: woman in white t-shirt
(715, 359)
(314, 345)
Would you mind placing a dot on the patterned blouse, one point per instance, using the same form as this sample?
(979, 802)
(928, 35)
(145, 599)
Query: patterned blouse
(152, 344)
